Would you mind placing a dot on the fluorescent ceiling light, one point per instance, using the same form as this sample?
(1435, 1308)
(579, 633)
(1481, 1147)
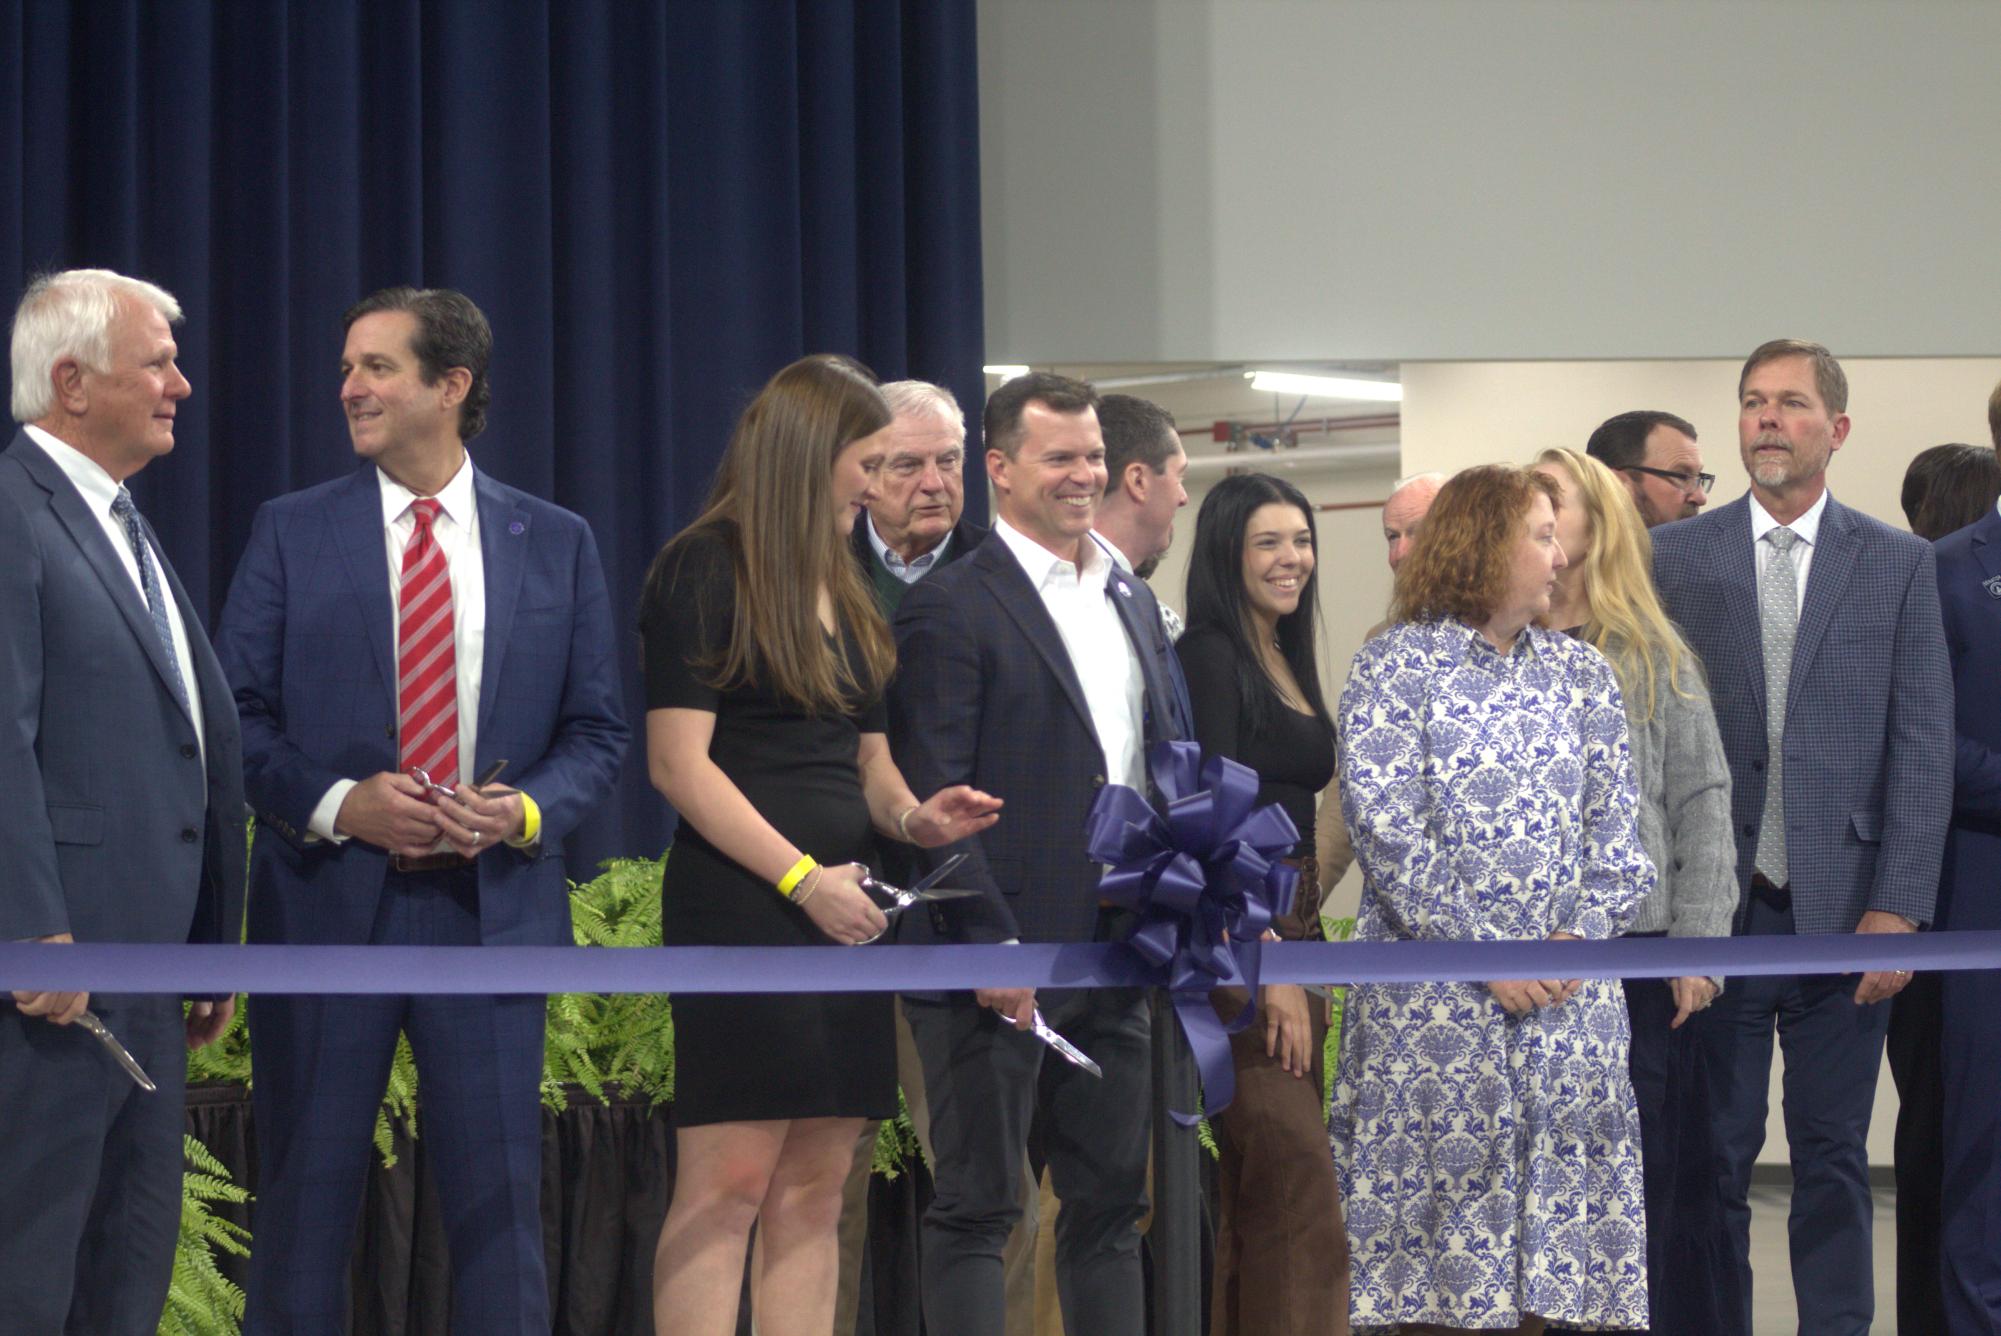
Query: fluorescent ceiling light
(1006, 370)
(1326, 387)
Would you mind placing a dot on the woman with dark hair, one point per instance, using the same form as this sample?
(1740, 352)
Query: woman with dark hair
(765, 662)
(1949, 487)
(1486, 1134)
(1248, 654)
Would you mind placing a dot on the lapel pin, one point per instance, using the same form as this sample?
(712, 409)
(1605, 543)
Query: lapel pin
(517, 528)
(1993, 586)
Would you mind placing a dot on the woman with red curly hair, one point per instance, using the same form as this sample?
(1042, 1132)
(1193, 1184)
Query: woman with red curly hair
(1485, 1134)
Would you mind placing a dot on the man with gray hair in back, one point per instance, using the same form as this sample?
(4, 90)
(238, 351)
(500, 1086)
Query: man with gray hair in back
(121, 776)
(916, 523)
(1405, 509)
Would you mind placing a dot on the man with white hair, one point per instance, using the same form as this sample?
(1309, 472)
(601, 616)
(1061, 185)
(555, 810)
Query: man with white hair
(122, 782)
(1408, 502)
(915, 524)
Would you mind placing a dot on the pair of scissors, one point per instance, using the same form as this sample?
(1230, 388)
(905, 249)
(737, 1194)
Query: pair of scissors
(1075, 1056)
(436, 790)
(924, 891)
(88, 1020)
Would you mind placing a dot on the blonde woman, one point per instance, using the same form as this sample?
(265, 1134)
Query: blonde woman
(1605, 595)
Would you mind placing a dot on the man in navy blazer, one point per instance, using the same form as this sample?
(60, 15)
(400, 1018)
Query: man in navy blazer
(1969, 896)
(1037, 669)
(1848, 839)
(415, 615)
(121, 779)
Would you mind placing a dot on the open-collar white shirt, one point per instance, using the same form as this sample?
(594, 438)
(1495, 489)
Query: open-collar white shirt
(1101, 654)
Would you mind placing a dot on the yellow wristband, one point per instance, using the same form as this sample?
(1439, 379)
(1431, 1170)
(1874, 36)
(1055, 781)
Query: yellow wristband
(790, 881)
(531, 824)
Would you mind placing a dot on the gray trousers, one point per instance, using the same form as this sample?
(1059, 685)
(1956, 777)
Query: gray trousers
(985, 1081)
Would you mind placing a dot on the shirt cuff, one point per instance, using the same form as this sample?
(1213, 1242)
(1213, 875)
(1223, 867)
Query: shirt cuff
(322, 821)
(531, 824)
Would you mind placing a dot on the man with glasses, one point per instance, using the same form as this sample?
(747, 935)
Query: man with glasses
(915, 524)
(1656, 454)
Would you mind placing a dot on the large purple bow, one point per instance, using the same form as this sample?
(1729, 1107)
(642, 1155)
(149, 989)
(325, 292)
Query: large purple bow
(1205, 881)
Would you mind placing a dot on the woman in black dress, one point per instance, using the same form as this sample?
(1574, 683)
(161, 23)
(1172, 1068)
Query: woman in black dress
(1248, 653)
(765, 661)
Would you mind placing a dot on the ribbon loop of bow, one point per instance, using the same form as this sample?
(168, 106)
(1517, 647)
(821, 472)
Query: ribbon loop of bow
(1206, 881)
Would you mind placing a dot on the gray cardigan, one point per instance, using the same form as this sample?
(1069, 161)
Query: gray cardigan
(1684, 784)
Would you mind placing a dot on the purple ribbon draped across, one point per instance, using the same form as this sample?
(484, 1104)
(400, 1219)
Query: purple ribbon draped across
(1206, 883)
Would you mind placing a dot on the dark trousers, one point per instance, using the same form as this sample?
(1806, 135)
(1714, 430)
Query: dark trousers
(985, 1082)
(1913, 1045)
(90, 1176)
(1281, 1248)
(1833, 1051)
(1970, 1240)
(322, 1064)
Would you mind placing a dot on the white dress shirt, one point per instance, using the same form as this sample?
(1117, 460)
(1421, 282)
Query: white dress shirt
(1806, 526)
(99, 490)
(910, 572)
(457, 531)
(1101, 653)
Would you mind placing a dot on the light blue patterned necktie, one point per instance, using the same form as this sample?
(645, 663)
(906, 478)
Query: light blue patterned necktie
(1778, 623)
(149, 579)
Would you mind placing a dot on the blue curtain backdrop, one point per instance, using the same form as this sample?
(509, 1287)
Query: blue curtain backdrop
(657, 204)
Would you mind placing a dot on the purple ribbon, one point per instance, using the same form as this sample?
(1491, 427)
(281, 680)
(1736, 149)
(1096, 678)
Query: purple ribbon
(1206, 883)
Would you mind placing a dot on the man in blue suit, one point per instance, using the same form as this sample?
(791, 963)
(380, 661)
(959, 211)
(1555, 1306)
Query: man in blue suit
(391, 635)
(1819, 629)
(1969, 896)
(121, 780)
(1037, 669)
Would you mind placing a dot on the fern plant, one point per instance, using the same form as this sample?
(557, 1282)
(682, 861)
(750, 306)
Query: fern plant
(201, 1301)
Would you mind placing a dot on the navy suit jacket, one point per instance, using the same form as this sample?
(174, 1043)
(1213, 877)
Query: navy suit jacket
(985, 694)
(306, 639)
(1969, 595)
(116, 829)
(1868, 738)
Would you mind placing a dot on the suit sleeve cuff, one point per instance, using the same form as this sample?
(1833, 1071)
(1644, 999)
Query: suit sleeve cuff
(321, 823)
(531, 824)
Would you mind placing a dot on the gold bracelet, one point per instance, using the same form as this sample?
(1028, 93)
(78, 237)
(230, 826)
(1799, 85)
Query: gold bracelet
(790, 881)
(807, 887)
(903, 822)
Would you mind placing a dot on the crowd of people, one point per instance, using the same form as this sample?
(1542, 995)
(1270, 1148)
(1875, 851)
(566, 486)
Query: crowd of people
(1598, 707)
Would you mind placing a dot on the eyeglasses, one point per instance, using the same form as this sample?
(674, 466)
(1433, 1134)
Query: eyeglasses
(1688, 482)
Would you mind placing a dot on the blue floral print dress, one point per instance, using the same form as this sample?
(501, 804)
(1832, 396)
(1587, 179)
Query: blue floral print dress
(1489, 1165)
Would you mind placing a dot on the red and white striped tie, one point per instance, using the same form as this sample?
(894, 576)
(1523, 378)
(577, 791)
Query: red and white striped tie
(427, 686)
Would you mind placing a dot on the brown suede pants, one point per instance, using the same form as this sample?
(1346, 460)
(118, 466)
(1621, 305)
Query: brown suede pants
(1281, 1245)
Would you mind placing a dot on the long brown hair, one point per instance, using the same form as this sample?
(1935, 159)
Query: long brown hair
(1459, 565)
(773, 507)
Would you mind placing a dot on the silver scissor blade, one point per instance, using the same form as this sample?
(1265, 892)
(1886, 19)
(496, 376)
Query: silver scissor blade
(938, 874)
(1071, 1053)
(88, 1020)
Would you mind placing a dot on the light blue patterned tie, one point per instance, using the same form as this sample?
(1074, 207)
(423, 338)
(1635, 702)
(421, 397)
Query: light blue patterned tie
(1778, 623)
(149, 579)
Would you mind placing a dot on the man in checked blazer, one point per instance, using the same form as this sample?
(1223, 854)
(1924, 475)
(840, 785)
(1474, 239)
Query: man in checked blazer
(414, 614)
(1848, 839)
(1037, 669)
